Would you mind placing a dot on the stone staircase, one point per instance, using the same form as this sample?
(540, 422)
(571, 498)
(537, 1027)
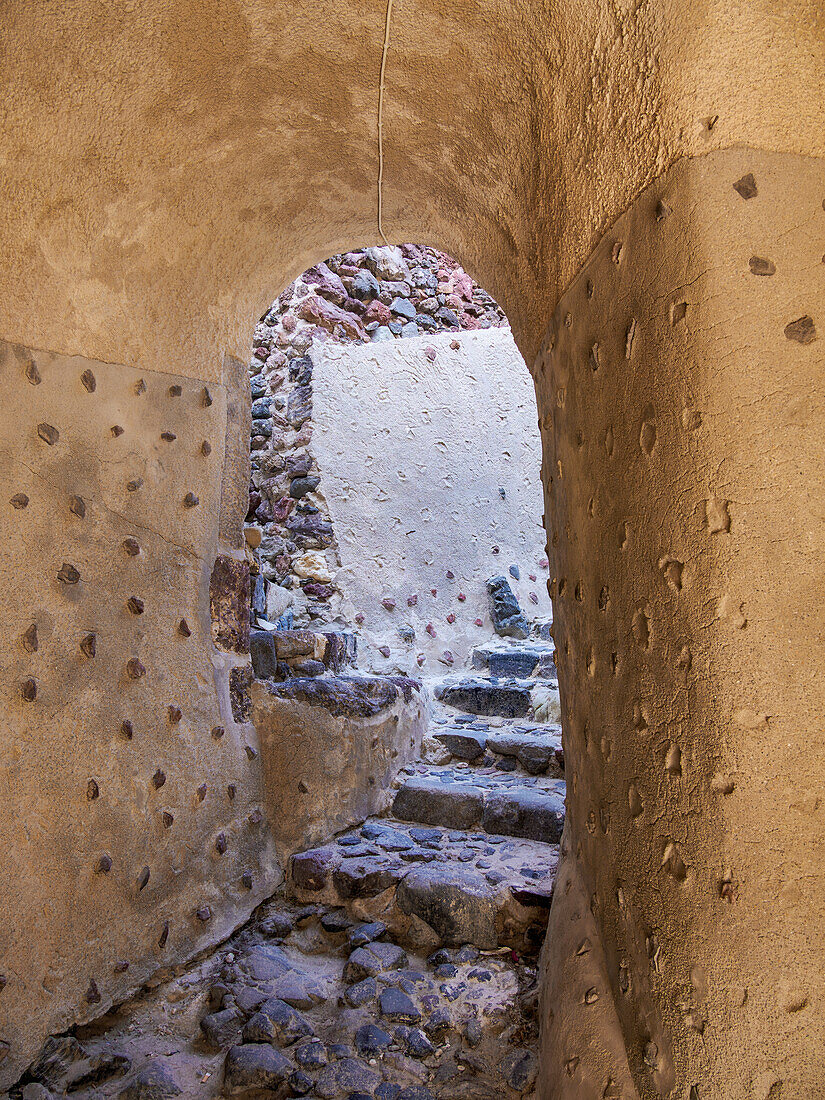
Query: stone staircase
(399, 962)
(469, 848)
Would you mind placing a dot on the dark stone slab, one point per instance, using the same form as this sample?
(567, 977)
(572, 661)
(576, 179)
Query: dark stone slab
(507, 616)
(229, 601)
(466, 746)
(484, 697)
(155, 1082)
(255, 1066)
(345, 1077)
(220, 1029)
(454, 806)
(367, 876)
(513, 663)
(311, 870)
(394, 1004)
(264, 654)
(456, 902)
(532, 814)
(357, 697)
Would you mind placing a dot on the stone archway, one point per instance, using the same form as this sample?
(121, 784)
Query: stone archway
(174, 162)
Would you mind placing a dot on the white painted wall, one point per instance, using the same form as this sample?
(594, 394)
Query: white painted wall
(413, 454)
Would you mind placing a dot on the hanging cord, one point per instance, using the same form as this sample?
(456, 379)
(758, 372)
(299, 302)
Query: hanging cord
(381, 123)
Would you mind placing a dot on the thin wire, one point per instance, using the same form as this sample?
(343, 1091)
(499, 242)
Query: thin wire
(381, 123)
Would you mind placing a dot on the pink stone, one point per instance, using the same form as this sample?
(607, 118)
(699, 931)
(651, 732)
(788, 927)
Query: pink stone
(450, 575)
(446, 657)
(261, 353)
(326, 283)
(359, 618)
(461, 597)
(463, 284)
(384, 650)
(420, 659)
(377, 311)
(412, 600)
(544, 564)
(533, 598)
(454, 302)
(532, 576)
(479, 622)
(289, 322)
(430, 352)
(434, 591)
(451, 618)
(328, 316)
(282, 508)
(430, 629)
(388, 603)
(319, 591)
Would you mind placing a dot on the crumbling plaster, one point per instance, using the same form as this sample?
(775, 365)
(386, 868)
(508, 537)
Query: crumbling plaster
(168, 167)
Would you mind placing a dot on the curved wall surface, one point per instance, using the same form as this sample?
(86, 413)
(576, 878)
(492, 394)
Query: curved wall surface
(167, 168)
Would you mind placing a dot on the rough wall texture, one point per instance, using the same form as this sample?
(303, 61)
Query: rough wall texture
(168, 166)
(180, 160)
(681, 393)
(330, 750)
(418, 439)
(131, 804)
(374, 294)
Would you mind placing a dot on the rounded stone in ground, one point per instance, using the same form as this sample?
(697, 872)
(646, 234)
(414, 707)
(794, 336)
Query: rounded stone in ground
(456, 902)
(255, 1066)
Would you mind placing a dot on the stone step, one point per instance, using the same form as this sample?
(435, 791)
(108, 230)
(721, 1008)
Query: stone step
(434, 886)
(518, 809)
(518, 659)
(501, 698)
(538, 753)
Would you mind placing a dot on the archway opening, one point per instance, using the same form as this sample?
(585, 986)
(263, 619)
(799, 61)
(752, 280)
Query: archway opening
(403, 701)
(395, 512)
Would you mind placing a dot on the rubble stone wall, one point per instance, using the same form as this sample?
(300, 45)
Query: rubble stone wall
(369, 296)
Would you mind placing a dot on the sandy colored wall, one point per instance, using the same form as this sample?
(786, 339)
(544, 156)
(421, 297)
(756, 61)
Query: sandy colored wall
(169, 166)
(681, 389)
(414, 451)
(132, 798)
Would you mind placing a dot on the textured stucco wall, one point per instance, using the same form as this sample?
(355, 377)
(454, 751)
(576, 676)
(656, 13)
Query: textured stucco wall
(682, 396)
(169, 166)
(414, 452)
(131, 803)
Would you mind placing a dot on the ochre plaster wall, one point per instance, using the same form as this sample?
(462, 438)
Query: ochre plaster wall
(132, 824)
(167, 167)
(682, 389)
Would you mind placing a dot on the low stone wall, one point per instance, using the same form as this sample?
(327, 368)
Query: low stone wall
(331, 747)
